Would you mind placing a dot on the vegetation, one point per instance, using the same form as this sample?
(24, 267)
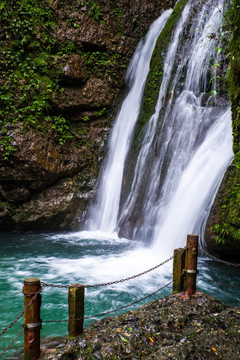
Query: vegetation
(227, 229)
(151, 91)
(104, 63)
(156, 67)
(29, 73)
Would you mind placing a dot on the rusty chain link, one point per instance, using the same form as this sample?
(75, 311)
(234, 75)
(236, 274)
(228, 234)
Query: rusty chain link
(219, 283)
(118, 309)
(121, 280)
(131, 304)
(12, 342)
(130, 277)
(60, 286)
(43, 285)
(219, 260)
(21, 314)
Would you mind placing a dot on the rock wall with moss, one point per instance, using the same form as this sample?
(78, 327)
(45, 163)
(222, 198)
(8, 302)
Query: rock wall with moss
(150, 96)
(223, 228)
(62, 67)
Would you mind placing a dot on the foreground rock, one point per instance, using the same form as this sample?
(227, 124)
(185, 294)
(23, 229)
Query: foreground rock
(175, 327)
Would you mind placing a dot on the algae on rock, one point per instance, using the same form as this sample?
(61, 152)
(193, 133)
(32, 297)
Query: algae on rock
(223, 228)
(62, 75)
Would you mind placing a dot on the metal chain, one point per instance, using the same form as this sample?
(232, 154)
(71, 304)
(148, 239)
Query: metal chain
(43, 285)
(21, 314)
(135, 276)
(131, 304)
(57, 321)
(219, 260)
(8, 347)
(118, 309)
(60, 286)
(122, 280)
(219, 283)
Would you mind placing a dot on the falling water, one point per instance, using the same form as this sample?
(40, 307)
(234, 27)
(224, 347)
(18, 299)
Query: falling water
(104, 213)
(185, 149)
(187, 142)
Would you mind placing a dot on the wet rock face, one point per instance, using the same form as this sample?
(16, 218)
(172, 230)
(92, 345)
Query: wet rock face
(44, 185)
(94, 94)
(103, 24)
(222, 231)
(72, 68)
(105, 34)
(223, 241)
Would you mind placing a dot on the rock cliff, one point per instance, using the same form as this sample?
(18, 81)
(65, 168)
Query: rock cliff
(63, 66)
(223, 227)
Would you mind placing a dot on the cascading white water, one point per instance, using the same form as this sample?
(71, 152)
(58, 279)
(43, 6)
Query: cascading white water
(185, 152)
(185, 211)
(103, 215)
(187, 143)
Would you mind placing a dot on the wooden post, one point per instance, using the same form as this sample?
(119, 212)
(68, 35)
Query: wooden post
(75, 309)
(191, 264)
(32, 319)
(178, 266)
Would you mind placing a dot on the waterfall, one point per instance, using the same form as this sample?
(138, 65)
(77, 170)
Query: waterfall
(186, 144)
(103, 215)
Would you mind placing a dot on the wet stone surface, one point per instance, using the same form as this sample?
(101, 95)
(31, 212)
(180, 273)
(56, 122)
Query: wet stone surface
(175, 327)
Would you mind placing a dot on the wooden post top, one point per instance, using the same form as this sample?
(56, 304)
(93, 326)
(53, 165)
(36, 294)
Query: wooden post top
(32, 281)
(76, 285)
(192, 240)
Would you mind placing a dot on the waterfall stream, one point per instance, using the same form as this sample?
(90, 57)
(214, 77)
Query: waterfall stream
(104, 213)
(187, 141)
(184, 149)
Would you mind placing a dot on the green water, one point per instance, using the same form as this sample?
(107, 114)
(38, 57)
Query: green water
(69, 258)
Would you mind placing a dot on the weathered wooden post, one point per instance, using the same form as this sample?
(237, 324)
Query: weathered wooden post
(178, 266)
(32, 319)
(75, 309)
(191, 256)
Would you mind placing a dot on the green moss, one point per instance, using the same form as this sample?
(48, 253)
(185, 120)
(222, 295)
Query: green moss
(29, 73)
(227, 229)
(156, 66)
(156, 73)
(105, 63)
(117, 12)
(151, 91)
(95, 12)
(6, 207)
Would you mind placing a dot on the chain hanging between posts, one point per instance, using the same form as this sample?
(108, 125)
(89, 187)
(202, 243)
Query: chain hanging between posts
(115, 310)
(8, 347)
(219, 260)
(43, 285)
(21, 314)
(60, 286)
(122, 280)
(219, 283)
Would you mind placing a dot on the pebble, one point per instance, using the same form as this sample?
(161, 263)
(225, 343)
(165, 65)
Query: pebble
(169, 328)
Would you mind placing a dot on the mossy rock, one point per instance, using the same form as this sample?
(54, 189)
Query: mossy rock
(226, 229)
(151, 91)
